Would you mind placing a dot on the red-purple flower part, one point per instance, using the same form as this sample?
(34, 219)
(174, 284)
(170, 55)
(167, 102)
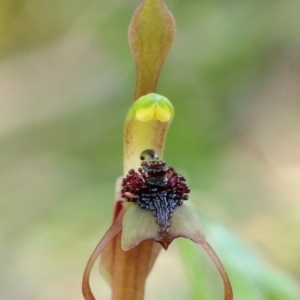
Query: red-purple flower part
(157, 188)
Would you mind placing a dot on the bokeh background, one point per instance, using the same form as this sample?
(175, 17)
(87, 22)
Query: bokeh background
(66, 81)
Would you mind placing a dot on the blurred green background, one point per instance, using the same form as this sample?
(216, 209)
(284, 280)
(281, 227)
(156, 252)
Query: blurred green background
(66, 81)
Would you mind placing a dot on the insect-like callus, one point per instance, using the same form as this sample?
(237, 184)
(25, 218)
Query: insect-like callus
(157, 188)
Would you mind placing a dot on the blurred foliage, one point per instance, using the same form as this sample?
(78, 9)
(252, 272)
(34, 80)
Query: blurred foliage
(250, 275)
(66, 82)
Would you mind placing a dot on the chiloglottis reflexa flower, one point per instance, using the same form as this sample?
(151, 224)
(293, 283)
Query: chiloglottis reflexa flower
(149, 213)
(150, 209)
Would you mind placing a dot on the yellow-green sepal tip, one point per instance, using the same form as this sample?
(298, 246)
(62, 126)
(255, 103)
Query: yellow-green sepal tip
(152, 106)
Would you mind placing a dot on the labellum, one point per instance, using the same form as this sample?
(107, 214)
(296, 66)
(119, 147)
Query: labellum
(157, 188)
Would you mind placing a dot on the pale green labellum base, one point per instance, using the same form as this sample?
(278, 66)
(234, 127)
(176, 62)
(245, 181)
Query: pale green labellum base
(139, 225)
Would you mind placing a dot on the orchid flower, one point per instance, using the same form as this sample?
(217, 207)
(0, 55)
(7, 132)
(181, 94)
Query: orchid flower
(149, 207)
